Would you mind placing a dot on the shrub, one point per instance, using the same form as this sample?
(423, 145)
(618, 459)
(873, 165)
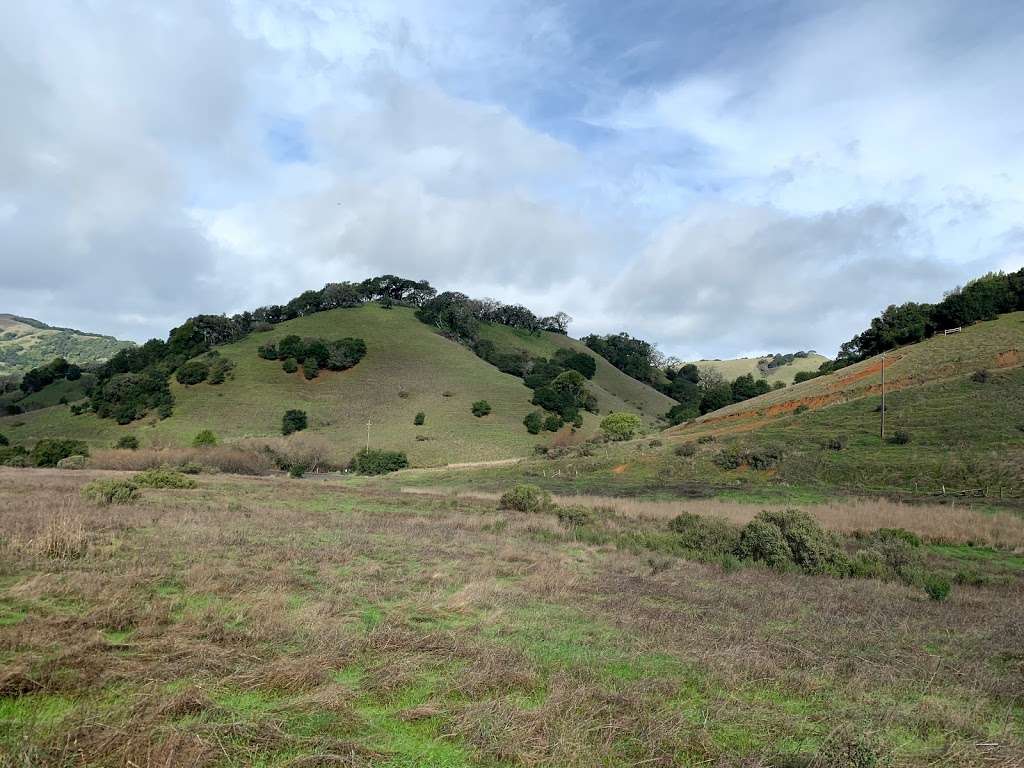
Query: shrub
(802, 408)
(553, 422)
(705, 439)
(404, 394)
(525, 498)
(848, 748)
(981, 376)
(192, 372)
(310, 369)
(14, 456)
(763, 458)
(127, 443)
(814, 549)
(293, 421)
(63, 538)
(72, 462)
(729, 458)
(900, 437)
(447, 393)
(936, 586)
(290, 365)
(898, 534)
(420, 418)
(268, 351)
(204, 439)
(371, 461)
(710, 535)
(764, 542)
(837, 443)
(621, 425)
(655, 443)
(534, 422)
(481, 408)
(4, 441)
(868, 564)
(220, 369)
(110, 492)
(163, 478)
(575, 516)
(296, 470)
(685, 450)
(48, 452)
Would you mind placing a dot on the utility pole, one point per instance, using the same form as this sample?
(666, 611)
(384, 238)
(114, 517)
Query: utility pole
(367, 434)
(881, 433)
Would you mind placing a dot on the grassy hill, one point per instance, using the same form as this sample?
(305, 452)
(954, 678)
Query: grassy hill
(408, 368)
(26, 343)
(741, 366)
(821, 437)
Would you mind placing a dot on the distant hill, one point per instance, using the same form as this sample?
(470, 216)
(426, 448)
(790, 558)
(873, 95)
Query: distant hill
(409, 367)
(957, 401)
(26, 343)
(769, 367)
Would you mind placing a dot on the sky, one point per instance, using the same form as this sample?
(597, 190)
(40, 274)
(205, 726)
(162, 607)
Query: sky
(722, 177)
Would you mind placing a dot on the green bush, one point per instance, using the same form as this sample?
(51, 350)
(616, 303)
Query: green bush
(163, 478)
(420, 418)
(110, 492)
(553, 422)
(936, 586)
(763, 458)
(763, 542)
(869, 564)
(899, 534)
(730, 457)
(220, 369)
(48, 452)
(705, 439)
(837, 443)
(310, 369)
(3, 440)
(525, 498)
(900, 437)
(296, 470)
(268, 351)
(192, 372)
(481, 408)
(290, 365)
(204, 439)
(534, 422)
(814, 549)
(709, 535)
(371, 461)
(621, 425)
(127, 443)
(73, 462)
(575, 516)
(14, 456)
(685, 450)
(981, 376)
(802, 408)
(293, 421)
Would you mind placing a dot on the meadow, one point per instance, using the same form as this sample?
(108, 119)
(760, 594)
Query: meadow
(268, 621)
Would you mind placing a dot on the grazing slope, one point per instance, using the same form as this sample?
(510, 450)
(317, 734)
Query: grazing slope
(27, 343)
(741, 366)
(408, 368)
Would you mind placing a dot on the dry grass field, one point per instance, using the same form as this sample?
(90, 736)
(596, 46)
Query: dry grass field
(276, 622)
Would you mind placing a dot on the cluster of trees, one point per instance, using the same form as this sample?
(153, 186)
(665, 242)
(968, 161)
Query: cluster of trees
(458, 316)
(700, 391)
(314, 354)
(634, 357)
(38, 378)
(213, 370)
(982, 299)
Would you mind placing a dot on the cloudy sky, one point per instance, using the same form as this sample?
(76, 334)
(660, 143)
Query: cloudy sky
(720, 177)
